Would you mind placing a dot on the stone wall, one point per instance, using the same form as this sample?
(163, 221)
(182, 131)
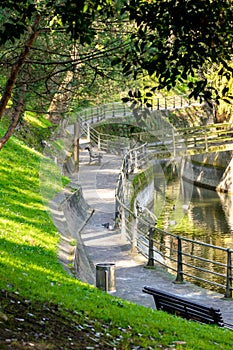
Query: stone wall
(212, 170)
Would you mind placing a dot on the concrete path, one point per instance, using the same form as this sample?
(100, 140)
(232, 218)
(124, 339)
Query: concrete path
(102, 245)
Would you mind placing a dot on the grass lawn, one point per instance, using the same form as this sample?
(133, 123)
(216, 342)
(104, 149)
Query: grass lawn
(35, 283)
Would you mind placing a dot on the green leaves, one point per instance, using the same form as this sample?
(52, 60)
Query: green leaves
(14, 19)
(180, 38)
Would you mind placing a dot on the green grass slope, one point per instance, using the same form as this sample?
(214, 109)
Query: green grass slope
(29, 267)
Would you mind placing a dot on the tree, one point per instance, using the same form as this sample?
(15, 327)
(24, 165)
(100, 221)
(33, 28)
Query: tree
(175, 39)
(169, 40)
(24, 24)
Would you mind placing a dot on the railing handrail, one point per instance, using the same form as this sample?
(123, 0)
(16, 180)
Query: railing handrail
(105, 113)
(120, 203)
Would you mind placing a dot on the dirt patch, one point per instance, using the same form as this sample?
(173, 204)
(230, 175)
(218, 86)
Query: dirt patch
(32, 325)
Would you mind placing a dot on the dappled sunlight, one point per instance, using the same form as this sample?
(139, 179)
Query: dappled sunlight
(36, 270)
(22, 233)
(33, 119)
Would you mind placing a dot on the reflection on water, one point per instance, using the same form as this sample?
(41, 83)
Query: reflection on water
(207, 217)
(204, 216)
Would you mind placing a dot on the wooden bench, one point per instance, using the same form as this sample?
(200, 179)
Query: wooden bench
(185, 308)
(93, 157)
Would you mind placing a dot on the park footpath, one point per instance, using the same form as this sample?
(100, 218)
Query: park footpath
(100, 244)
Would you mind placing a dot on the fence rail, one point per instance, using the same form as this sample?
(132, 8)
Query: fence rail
(198, 139)
(96, 114)
(165, 142)
(181, 255)
(170, 251)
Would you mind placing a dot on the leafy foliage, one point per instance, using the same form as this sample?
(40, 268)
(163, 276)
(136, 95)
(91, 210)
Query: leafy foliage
(175, 39)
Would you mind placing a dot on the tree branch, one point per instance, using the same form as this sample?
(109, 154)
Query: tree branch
(17, 66)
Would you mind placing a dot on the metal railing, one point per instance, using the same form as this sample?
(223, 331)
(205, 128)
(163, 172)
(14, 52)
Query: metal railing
(107, 143)
(199, 139)
(183, 256)
(93, 115)
(165, 141)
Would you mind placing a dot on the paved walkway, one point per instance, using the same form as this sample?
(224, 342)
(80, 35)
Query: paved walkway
(102, 245)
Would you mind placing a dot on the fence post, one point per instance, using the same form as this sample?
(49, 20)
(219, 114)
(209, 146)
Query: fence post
(123, 224)
(179, 276)
(99, 141)
(206, 141)
(134, 230)
(151, 248)
(174, 143)
(228, 292)
(76, 144)
(88, 133)
(135, 170)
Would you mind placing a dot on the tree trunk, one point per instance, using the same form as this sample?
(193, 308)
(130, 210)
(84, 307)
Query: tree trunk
(10, 84)
(59, 103)
(16, 115)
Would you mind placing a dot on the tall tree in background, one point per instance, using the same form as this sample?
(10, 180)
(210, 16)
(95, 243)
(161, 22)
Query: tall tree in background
(175, 40)
(48, 46)
(41, 53)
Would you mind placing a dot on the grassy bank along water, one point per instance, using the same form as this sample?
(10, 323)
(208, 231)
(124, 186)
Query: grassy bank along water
(29, 267)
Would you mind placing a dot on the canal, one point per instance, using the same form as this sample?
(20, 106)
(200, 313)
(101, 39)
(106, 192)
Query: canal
(198, 214)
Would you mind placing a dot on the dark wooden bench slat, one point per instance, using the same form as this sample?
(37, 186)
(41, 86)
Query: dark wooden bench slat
(93, 156)
(185, 308)
(189, 313)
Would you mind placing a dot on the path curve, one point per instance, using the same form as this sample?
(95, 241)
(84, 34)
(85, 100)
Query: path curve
(103, 245)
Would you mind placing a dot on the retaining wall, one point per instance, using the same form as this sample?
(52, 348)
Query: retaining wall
(211, 170)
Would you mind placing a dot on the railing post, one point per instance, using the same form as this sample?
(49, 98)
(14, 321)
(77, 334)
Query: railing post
(158, 103)
(145, 153)
(130, 163)
(206, 141)
(76, 144)
(135, 170)
(174, 143)
(165, 102)
(228, 292)
(179, 276)
(88, 133)
(134, 230)
(123, 224)
(99, 141)
(151, 248)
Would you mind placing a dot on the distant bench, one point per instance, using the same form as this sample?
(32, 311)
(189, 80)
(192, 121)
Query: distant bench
(185, 308)
(94, 157)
